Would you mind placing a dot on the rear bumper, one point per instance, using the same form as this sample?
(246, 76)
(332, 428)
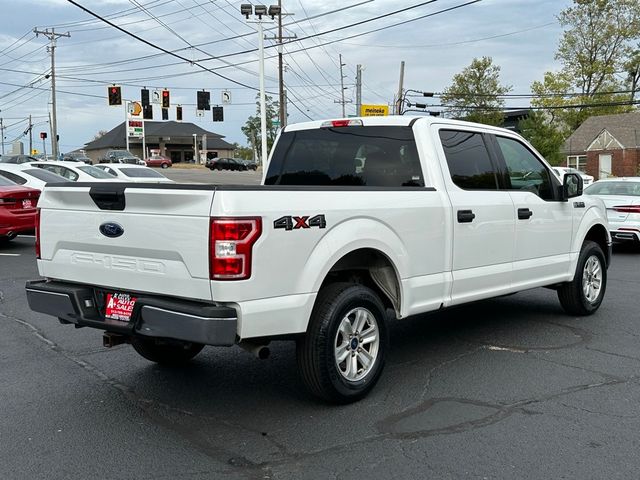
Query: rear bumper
(18, 223)
(623, 234)
(152, 316)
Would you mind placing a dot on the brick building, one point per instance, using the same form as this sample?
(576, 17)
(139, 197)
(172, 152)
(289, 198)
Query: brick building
(606, 145)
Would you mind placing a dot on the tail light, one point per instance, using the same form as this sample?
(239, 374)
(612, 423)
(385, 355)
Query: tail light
(627, 208)
(230, 247)
(342, 123)
(37, 228)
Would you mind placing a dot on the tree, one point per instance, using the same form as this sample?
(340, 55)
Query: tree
(595, 46)
(100, 134)
(632, 69)
(252, 128)
(475, 93)
(246, 153)
(544, 136)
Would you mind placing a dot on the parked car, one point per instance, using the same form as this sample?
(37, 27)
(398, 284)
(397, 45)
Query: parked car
(77, 157)
(225, 163)
(76, 172)
(29, 176)
(121, 156)
(17, 159)
(560, 171)
(250, 164)
(45, 158)
(158, 161)
(17, 209)
(133, 173)
(621, 196)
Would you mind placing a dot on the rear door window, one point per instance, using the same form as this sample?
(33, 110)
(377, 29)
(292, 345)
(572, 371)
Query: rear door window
(470, 165)
(374, 156)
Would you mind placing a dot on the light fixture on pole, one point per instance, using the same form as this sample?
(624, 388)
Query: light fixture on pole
(260, 11)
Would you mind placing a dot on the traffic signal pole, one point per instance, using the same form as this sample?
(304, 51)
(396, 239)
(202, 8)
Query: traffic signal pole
(53, 36)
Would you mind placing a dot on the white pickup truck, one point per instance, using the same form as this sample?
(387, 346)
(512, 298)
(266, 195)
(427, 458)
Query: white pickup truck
(355, 218)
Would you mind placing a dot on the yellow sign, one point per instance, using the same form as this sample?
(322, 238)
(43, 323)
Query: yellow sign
(374, 110)
(34, 152)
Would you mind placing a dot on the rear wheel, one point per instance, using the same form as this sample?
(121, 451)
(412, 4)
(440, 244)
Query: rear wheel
(165, 165)
(584, 294)
(341, 357)
(165, 352)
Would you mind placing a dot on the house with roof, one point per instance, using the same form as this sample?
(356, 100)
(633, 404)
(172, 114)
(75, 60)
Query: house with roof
(180, 141)
(606, 145)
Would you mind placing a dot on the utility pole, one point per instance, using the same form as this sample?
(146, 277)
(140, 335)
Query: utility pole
(282, 97)
(358, 89)
(53, 36)
(2, 135)
(342, 101)
(399, 98)
(30, 136)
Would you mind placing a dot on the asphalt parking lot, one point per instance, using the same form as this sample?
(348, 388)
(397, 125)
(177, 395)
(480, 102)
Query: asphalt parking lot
(501, 389)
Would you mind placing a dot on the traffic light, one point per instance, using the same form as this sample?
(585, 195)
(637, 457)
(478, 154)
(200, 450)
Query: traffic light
(218, 114)
(165, 114)
(115, 95)
(204, 100)
(179, 113)
(144, 97)
(166, 102)
(147, 112)
(43, 135)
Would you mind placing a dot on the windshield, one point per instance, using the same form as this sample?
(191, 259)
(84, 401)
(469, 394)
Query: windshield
(95, 172)
(379, 156)
(141, 173)
(614, 188)
(45, 175)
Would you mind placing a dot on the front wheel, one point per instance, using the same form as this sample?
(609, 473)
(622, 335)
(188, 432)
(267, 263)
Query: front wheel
(165, 352)
(164, 165)
(341, 357)
(584, 294)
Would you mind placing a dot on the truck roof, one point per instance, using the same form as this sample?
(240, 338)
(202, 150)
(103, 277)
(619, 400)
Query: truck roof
(391, 120)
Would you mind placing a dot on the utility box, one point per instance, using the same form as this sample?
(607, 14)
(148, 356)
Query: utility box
(17, 148)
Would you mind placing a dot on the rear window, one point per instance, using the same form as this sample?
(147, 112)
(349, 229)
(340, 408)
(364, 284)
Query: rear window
(350, 156)
(141, 173)
(5, 182)
(614, 188)
(45, 175)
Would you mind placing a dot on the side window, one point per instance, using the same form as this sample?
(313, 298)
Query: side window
(14, 178)
(525, 170)
(68, 173)
(468, 159)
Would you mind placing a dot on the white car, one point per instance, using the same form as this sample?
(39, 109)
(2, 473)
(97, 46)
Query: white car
(24, 174)
(75, 171)
(133, 173)
(560, 171)
(621, 196)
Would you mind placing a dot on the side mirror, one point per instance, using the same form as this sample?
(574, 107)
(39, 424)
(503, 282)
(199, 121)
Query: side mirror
(571, 186)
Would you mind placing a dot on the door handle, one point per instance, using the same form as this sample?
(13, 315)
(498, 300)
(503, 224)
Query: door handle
(524, 214)
(466, 216)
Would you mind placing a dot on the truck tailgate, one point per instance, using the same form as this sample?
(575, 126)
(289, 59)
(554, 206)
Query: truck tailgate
(144, 238)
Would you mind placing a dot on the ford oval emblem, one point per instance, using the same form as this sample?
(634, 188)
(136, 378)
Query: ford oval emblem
(111, 229)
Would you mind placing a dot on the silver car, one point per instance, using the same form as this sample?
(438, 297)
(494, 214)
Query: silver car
(622, 199)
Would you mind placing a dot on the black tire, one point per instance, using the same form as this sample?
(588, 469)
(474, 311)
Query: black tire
(572, 295)
(165, 352)
(316, 351)
(164, 165)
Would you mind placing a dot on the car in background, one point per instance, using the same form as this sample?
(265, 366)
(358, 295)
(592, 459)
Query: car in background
(133, 173)
(560, 171)
(75, 171)
(29, 176)
(121, 156)
(17, 209)
(17, 159)
(621, 196)
(44, 158)
(161, 161)
(250, 164)
(77, 157)
(225, 163)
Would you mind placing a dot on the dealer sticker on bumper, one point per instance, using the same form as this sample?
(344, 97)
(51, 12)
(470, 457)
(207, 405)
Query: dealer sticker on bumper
(119, 306)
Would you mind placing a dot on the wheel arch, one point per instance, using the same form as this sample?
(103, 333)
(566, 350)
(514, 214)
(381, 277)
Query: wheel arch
(600, 235)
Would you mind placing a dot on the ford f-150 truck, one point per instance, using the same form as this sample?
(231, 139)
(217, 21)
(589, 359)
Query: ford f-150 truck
(355, 218)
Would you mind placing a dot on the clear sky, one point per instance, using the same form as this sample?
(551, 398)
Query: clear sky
(520, 35)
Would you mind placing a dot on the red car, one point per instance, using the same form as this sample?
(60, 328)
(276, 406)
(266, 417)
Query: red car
(17, 209)
(158, 161)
